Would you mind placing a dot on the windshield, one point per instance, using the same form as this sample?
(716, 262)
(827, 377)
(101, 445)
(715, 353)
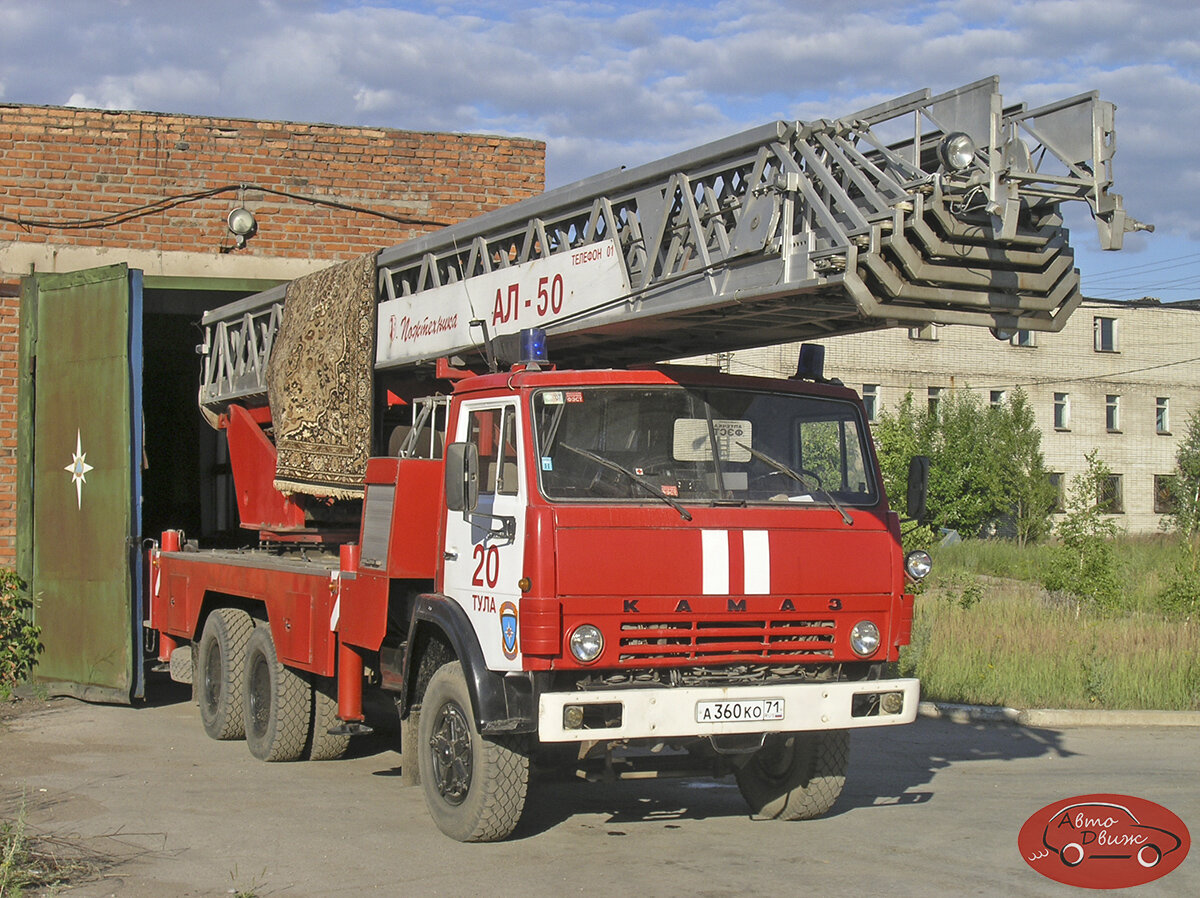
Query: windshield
(699, 446)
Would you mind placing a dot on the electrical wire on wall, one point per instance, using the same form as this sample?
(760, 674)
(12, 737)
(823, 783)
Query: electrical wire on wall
(170, 202)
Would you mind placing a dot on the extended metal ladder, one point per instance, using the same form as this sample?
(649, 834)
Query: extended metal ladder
(785, 232)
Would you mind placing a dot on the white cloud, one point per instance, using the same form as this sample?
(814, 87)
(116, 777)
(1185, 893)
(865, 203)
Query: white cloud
(611, 82)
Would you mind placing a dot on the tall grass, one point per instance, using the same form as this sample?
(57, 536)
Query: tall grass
(984, 632)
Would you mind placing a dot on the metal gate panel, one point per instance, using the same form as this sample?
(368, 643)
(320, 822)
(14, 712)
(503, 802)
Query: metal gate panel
(84, 390)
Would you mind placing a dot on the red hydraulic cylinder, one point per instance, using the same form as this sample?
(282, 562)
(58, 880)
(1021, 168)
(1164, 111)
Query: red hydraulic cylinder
(350, 662)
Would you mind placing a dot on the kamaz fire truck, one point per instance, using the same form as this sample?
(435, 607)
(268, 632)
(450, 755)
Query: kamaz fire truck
(466, 479)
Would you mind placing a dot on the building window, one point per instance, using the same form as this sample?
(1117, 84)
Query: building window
(1062, 411)
(1104, 334)
(935, 400)
(923, 332)
(1059, 482)
(1110, 500)
(1112, 413)
(1024, 338)
(870, 398)
(1164, 493)
(1162, 414)
(997, 398)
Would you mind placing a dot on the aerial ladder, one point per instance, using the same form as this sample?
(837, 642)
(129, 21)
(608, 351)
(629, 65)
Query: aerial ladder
(939, 209)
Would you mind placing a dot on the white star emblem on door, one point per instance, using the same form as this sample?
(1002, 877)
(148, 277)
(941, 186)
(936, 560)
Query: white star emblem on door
(78, 468)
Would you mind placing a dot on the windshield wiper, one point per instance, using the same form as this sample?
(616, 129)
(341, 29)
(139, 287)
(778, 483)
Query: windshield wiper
(800, 479)
(636, 478)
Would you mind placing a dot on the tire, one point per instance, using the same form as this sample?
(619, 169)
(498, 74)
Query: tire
(322, 746)
(277, 705)
(795, 776)
(474, 786)
(217, 678)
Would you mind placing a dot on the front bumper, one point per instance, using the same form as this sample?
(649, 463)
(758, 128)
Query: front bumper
(635, 713)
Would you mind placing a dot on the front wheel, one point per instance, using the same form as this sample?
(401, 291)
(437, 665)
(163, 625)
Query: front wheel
(795, 776)
(474, 785)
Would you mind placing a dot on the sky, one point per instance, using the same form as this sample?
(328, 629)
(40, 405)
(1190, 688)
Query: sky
(607, 83)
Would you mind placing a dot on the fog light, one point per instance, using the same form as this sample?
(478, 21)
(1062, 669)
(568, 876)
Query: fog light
(573, 717)
(918, 564)
(891, 702)
(864, 638)
(587, 642)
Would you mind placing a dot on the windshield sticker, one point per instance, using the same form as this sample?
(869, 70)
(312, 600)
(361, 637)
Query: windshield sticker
(552, 397)
(574, 396)
(547, 463)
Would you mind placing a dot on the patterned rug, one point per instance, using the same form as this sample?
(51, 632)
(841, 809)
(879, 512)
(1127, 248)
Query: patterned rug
(319, 381)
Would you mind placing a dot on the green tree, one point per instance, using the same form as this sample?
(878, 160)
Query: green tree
(1182, 593)
(1026, 481)
(1085, 562)
(986, 468)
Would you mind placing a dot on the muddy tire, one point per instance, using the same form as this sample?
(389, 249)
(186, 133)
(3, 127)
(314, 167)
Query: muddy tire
(474, 785)
(218, 675)
(795, 776)
(277, 706)
(322, 746)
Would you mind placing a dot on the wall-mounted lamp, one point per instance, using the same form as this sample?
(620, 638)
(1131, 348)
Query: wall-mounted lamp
(242, 224)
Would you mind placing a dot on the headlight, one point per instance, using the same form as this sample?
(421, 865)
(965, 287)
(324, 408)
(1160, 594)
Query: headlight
(587, 642)
(918, 564)
(864, 638)
(956, 151)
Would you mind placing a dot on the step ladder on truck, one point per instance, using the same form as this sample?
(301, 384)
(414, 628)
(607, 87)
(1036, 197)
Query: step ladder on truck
(467, 480)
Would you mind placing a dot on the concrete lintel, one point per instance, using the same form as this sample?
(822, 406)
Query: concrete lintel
(18, 259)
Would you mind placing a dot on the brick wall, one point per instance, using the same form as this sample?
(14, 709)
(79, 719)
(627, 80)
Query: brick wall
(72, 164)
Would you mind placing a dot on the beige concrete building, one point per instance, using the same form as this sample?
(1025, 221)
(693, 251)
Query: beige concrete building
(1121, 378)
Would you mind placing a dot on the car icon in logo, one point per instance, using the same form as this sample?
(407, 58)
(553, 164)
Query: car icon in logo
(1100, 831)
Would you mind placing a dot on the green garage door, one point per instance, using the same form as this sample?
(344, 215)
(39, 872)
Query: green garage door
(79, 516)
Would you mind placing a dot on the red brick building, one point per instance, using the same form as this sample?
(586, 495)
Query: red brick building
(82, 188)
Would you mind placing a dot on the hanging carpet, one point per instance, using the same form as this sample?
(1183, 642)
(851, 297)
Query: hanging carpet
(319, 381)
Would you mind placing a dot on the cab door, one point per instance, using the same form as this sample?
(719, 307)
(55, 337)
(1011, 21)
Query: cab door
(484, 549)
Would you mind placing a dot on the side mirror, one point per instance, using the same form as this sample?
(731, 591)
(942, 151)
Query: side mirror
(918, 487)
(462, 477)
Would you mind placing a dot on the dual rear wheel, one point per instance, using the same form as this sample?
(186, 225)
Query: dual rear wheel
(245, 691)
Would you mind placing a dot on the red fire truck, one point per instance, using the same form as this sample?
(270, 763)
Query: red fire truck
(469, 483)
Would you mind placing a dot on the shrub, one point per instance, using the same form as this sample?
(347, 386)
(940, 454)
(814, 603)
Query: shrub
(20, 642)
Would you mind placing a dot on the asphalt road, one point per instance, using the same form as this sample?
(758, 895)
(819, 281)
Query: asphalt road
(930, 809)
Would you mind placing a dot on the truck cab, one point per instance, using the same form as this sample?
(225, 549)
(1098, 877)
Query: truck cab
(666, 556)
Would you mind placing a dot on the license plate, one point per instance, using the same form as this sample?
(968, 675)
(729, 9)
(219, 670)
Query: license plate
(741, 711)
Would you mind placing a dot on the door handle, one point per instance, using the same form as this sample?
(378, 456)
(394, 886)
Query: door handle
(449, 555)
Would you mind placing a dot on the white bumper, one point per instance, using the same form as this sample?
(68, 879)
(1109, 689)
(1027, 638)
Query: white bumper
(666, 713)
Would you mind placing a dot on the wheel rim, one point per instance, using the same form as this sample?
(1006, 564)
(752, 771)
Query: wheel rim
(212, 677)
(450, 747)
(260, 696)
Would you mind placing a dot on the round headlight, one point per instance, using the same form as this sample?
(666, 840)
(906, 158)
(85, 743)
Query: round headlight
(587, 642)
(918, 564)
(864, 638)
(956, 151)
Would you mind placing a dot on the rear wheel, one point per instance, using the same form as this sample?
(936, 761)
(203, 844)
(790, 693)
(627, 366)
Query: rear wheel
(324, 746)
(795, 776)
(217, 679)
(278, 703)
(474, 785)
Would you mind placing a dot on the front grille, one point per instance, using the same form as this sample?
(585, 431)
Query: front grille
(779, 641)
